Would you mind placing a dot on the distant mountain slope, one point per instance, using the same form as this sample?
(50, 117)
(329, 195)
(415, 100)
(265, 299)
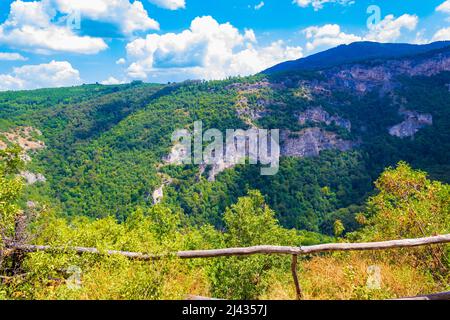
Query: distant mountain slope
(356, 52)
(341, 125)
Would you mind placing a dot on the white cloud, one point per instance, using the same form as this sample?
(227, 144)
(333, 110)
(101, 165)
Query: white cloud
(53, 74)
(329, 35)
(207, 50)
(121, 61)
(442, 35)
(11, 56)
(249, 35)
(29, 26)
(259, 6)
(111, 81)
(444, 7)
(170, 4)
(130, 17)
(318, 4)
(420, 38)
(39, 26)
(390, 28)
(387, 30)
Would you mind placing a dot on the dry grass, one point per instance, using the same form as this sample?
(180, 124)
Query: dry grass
(330, 277)
(348, 277)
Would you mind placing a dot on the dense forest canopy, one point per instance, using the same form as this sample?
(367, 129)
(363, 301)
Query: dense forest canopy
(79, 167)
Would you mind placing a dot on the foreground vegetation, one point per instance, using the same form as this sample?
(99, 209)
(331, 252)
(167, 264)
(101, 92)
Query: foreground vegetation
(407, 204)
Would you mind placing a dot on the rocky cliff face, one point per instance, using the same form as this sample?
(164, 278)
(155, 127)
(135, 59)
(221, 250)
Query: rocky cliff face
(32, 178)
(414, 121)
(25, 138)
(318, 115)
(177, 155)
(362, 78)
(158, 195)
(310, 142)
(257, 100)
(250, 113)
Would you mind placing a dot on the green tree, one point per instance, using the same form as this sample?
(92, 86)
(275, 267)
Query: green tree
(249, 222)
(409, 205)
(10, 192)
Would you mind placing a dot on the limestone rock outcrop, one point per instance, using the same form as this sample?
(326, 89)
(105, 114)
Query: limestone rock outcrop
(414, 121)
(310, 142)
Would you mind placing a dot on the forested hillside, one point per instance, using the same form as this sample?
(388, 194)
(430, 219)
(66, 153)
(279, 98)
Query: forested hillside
(83, 163)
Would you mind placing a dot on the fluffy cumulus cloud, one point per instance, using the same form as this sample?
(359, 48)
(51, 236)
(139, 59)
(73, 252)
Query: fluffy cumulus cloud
(130, 17)
(444, 7)
(11, 56)
(29, 26)
(169, 4)
(53, 74)
(111, 81)
(318, 4)
(387, 30)
(121, 61)
(39, 26)
(329, 35)
(207, 50)
(442, 35)
(390, 28)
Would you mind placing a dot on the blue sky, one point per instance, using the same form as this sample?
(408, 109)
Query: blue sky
(115, 41)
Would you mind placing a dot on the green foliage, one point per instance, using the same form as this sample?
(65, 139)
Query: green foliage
(250, 222)
(10, 192)
(103, 160)
(158, 230)
(409, 205)
(105, 146)
(338, 228)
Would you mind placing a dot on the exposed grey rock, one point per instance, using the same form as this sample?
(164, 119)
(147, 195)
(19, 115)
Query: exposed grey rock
(254, 87)
(318, 115)
(177, 155)
(252, 114)
(362, 78)
(32, 178)
(227, 162)
(218, 168)
(158, 195)
(310, 142)
(31, 204)
(414, 121)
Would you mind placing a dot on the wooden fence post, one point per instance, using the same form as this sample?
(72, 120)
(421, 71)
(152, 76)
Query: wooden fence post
(298, 289)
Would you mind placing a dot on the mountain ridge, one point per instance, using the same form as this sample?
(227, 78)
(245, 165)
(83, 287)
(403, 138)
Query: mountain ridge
(354, 53)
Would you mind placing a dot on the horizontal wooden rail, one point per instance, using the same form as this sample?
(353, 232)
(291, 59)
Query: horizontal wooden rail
(304, 250)
(435, 296)
(294, 251)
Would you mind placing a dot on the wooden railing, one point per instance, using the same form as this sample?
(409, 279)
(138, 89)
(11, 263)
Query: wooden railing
(12, 248)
